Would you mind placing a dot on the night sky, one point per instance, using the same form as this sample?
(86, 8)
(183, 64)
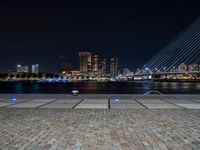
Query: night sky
(134, 31)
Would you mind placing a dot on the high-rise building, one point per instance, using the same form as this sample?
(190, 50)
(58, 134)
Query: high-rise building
(19, 68)
(22, 69)
(89, 64)
(114, 66)
(65, 67)
(85, 62)
(182, 68)
(102, 66)
(95, 63)
(193, 67)
(35, 69)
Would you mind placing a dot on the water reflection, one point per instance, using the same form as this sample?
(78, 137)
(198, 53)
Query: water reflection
(138, 87)
(18, 87)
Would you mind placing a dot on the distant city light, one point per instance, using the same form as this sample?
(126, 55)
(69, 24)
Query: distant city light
(56, 80)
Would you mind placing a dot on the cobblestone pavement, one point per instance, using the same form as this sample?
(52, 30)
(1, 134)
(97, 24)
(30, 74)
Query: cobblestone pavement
(98, 129)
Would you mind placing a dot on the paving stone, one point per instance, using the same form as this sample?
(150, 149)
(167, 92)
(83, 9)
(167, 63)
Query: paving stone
(190, 106)
(26, 105)
(156, 129)
(161, 106)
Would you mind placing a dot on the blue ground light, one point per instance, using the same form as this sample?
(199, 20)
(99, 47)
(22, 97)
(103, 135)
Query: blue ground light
(117, 99)
(14, 99)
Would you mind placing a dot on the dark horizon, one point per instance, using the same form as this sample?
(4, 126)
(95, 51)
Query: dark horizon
(40, 32)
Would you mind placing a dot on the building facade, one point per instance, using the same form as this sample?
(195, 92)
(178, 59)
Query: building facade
(35, 69)
(85, 62)
(95, 64)
(102, 66)
(22, 69)
(114, 66)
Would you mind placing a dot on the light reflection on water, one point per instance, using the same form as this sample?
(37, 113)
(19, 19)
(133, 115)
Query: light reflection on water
(139, 87)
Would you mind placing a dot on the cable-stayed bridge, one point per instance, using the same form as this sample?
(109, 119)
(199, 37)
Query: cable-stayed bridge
(181, 56)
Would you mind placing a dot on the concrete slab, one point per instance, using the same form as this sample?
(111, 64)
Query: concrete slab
(40, 100)
(196, 100)
(151, 101)
(123, 101)
(126, 106)
(92, 106)
(9, 100)
(4, 104)
(161, 106)
(95, 101)
(180, 101)
(67, 101)
(148, 97)
(26, 105)
(190, 106)
(58, 105)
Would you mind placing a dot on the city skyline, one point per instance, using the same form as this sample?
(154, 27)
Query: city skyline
(88, 63)
(134, 31)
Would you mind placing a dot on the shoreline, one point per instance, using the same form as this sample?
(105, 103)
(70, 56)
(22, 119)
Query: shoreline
(77, 81)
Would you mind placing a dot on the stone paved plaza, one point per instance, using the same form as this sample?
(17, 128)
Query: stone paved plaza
(92, 122)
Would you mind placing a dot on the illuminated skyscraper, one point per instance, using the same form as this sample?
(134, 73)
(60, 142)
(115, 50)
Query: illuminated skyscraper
(35, 69)
(182, 68)
(22, 69)
(95, 63)
(193, 67)
(102, 66)
(89, 64)
(19, 68)
(114, 66)
(85, 62)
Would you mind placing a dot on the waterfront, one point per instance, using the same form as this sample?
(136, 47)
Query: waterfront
(92, 87)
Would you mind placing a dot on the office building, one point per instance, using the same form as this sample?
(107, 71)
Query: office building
(95, 63)
(114, 66)
(35, 69)
(22, 69)
(102, 66)
(182, 68)
(85, 62)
